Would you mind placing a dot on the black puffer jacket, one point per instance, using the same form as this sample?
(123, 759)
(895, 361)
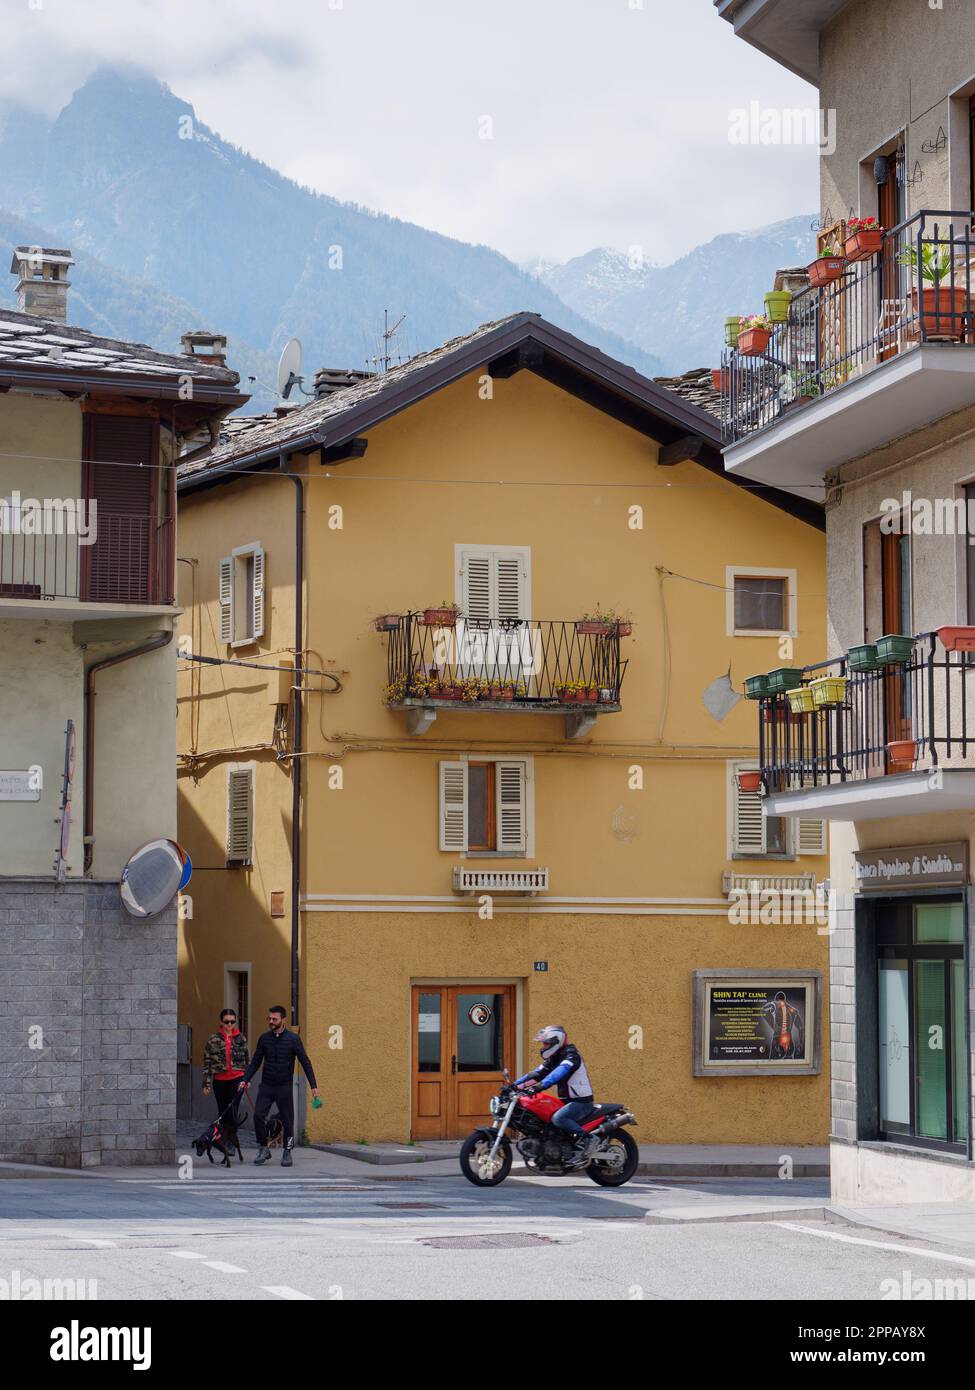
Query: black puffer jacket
(277, 1053)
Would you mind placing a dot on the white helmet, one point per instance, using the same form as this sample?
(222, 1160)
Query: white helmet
(552, 1037)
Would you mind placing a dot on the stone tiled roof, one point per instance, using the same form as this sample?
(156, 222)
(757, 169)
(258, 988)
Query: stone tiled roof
(695, 386)
(30, 342)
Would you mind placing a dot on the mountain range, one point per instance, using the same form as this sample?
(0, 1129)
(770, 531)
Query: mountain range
(174, 228)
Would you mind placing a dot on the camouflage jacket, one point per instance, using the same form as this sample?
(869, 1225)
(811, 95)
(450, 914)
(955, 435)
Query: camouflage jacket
(215, 1055)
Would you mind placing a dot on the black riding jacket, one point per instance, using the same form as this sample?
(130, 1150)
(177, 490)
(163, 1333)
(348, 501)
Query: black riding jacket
(565, 1070)
(278, 1052)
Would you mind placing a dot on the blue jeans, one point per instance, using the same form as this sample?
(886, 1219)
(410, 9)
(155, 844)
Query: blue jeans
(569, 1116)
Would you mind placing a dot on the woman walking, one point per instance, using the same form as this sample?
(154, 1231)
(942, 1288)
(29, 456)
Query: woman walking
(225, 1058)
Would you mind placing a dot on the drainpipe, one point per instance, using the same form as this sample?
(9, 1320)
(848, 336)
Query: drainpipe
(297, 734)
(163, 640)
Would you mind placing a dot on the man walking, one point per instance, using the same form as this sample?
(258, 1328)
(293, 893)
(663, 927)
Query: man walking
(276, 1051)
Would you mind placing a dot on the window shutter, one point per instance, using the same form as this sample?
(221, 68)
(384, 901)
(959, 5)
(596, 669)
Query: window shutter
(510, 587)
(510, 778)
(453, 806)
(476, 587)
(749, 823)
(494, 585)
(257, 597)
(240, 815)
(810, 835)
(121, 479)
(226, 600)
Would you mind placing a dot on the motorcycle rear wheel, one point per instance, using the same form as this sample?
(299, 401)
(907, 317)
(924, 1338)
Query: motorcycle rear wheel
(622, 1169)
(473, 1160)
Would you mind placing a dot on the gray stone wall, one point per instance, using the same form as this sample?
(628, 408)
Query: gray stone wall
(842, 1017)
(87, 1027)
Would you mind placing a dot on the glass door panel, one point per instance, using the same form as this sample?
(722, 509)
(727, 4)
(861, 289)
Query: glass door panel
(959, 1051)
(895, 1047)
(931, 1049)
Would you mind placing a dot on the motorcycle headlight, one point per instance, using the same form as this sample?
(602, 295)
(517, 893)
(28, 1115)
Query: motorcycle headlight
(494, 1106)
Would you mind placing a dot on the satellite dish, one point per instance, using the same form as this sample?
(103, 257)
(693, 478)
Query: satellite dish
(153, 875)
(289, 367)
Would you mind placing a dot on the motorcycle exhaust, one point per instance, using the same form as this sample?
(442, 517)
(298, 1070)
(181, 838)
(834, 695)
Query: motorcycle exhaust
(615, 1123)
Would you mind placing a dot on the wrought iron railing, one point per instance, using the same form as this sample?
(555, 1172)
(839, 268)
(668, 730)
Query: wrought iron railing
(129, 559)
(916, 289)
(507, 664)
(922, 702)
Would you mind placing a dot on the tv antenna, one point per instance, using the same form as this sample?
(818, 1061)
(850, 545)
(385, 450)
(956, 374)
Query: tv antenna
(289, 370)
(385, 357)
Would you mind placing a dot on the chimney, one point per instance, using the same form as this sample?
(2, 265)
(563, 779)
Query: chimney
(330, 379)
(210, 348)
(42, 283)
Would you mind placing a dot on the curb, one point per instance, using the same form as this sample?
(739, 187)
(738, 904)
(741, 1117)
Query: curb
(728, 1170)
(42, 1170)
(712, 1215)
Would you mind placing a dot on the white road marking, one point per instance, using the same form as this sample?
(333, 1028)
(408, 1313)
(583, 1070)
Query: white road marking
(283, 1291)
(877, 1244)
(185, 1255)
(223, 1267)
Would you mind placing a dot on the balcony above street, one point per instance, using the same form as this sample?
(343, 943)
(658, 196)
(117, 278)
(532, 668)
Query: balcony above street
(896, 738)
(439, 662)
(885, 348)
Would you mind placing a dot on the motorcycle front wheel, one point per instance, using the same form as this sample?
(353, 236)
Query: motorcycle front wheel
(617, 1163)
(476, 1164)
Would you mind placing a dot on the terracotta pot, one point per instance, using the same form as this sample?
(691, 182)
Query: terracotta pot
(901, 754)
(957, 639)
(941, 312)
(752, 342)
(507, 693)
(825, 269)
(440, 617)
(720, 380)
(594, 627)
(623, 629)
(749, 781)
(387, 622)
(862, 245)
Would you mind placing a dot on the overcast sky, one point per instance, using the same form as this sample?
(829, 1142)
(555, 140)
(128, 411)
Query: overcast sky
(609, 120)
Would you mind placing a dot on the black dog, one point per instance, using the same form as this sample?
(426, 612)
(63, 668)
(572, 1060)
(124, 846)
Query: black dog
(222, 1136)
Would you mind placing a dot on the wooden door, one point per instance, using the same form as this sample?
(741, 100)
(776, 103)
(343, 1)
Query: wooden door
(463, 1038)
(890, 213)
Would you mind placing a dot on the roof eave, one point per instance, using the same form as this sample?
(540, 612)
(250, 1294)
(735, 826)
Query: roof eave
(787, 31)
(152, 387)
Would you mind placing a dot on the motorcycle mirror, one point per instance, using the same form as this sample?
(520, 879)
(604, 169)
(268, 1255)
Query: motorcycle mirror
(506, 1074)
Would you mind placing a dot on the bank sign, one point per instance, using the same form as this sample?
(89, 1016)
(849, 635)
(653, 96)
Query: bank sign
(912, 866)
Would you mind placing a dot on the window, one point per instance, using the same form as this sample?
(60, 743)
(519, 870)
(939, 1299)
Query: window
(242, 595)
(237, 992)
(485, 806)
(760, 602)
(755, 835)
(240, 815)
(494, 583)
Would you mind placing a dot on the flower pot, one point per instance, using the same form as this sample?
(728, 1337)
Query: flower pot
(507, 693)
(721, 381)
(894, 649)
(623, 629)
(756, 687)
(591, 695)
(566, 697)
(941, 311)
(862, 245)
(594, 627)
(825, 269)
(752, 342)
(780, 713)
(777, 305)
(901, 753)
(801, 700)
(749, 781)
(783, 679)
(732, 327)
(957, 639)
(828, 690)
(796, 402)
(440, 617)
(387, 622)
(606, 695)
(864, 657)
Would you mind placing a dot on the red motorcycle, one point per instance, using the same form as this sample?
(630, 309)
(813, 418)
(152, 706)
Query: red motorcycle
(486, 1156)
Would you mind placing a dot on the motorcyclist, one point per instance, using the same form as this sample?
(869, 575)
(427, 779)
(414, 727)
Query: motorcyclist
(562, 1067)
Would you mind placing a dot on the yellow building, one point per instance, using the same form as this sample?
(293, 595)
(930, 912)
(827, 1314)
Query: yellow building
(481, 850)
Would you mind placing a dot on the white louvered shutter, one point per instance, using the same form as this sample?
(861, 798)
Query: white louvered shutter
(510, 572)
(240, 815)
(476, 587)
(226, 593)
(511, 809)
(749, 823)
(453, 806)
(257, 594)
(810, 835)
(494, 585)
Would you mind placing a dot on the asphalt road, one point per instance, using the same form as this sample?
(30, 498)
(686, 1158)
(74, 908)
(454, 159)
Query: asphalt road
(273, 1235)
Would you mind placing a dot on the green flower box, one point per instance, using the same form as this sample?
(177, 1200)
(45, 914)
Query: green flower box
(756, 687)
(864, 657)
(895, 649)
(783, 679)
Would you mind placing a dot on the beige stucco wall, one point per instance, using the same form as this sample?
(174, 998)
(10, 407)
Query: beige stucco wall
(889, 66)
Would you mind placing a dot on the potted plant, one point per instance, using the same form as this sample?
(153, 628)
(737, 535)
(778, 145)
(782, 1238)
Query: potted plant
(894, 649)
(826, 268)
(798, 390)
(419, 687)
(387, 622)
(603, 623)
(801, 700)
(943, 308)
(607, 696)
(732, 327)
(444, 616)
(864, 237)
(901, 753)
(721, 381)
(749, 781)
(777, 305)
(784, 678)
(756, 687)
(863, 657)
(754, 336)
(828, 690)
(507, 690)
(395, 691)
(957, 639)
(566, 693)
(590, 692)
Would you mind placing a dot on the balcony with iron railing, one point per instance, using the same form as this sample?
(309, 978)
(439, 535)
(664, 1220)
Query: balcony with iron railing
(116, 564)
(438, 662)
(895, 740)
(883, 349)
